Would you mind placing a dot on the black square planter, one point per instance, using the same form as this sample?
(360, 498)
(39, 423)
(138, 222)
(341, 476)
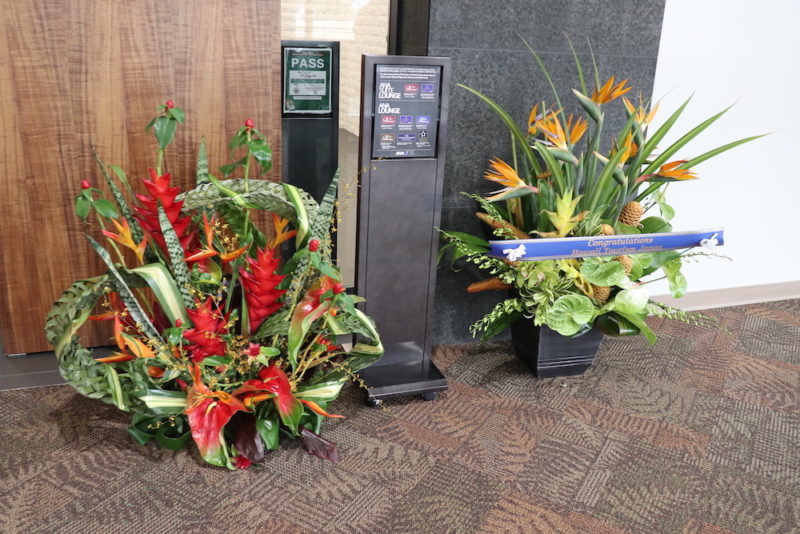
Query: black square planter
(547, 353)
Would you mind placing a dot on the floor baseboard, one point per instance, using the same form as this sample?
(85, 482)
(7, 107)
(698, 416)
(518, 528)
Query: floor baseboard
(734, 296)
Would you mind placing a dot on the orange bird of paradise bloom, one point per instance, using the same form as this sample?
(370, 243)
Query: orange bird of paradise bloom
(124, 238)
(671, 171)
(505, 175)
(610, 91)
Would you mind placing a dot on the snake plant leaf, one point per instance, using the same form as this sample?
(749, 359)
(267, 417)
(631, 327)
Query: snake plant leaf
(201, 172)
(125, 293)
(323, 220)
(176, 258)
(169, 297)
(124, 208)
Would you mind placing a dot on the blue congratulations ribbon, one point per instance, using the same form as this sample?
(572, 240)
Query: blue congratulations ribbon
(602, 245)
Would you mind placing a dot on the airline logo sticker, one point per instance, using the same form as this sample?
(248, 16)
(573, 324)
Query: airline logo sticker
(423, 119)
(411, 88)
(389, 119)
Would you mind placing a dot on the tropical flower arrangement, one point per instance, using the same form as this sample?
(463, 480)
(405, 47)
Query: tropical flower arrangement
(564, 180)
(218, 339)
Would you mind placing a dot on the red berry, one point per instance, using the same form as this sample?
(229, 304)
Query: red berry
(338, 288)
(313, 245)
(86, 184)
(169, 104)
(249, 123)
(178, 322)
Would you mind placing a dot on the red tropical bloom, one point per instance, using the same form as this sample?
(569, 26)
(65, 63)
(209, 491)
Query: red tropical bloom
(206, 336)
(259, 284)
(147, 214)
(208, 412)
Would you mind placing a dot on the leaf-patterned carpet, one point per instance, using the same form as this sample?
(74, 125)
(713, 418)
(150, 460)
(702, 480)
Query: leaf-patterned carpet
(699, 434)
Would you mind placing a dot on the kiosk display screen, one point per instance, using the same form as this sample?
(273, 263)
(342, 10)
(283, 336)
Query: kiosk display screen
(406, 113)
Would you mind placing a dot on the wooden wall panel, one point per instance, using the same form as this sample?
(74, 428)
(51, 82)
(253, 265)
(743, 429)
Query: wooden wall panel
(74, 74)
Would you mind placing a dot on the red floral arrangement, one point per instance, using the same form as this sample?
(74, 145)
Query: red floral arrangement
(219, 341)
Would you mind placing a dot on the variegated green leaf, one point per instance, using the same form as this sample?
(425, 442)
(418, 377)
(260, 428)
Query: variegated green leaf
(176, 259)
(160, 281)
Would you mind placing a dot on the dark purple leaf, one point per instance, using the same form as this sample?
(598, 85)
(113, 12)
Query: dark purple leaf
(318, 446)
(246, 438)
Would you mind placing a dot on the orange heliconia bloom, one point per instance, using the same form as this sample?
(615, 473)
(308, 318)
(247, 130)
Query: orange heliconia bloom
(281, 235)
(125, 238)
(610, 91)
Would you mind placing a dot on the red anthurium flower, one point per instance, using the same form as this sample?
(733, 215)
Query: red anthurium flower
(253, 350)
(147, 214)
(272, 383)
(259, 284)
(240, 462)
(208, 413)
(206, 336)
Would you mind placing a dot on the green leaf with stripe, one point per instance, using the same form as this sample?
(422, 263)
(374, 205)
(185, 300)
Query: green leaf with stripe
(160, 281)
(177, 261)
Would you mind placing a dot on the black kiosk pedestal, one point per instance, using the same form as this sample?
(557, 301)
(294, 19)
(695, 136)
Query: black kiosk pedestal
(404, 104)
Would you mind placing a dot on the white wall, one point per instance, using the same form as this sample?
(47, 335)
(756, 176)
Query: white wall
(744, 53)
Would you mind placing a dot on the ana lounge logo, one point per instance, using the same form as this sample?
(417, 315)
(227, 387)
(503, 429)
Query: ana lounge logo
(385, 90)
(385, 107)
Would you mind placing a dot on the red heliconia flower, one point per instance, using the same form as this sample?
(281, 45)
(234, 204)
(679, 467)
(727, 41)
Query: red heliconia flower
(206, 336)
(86, 184)
(147, 214)
(259, 285)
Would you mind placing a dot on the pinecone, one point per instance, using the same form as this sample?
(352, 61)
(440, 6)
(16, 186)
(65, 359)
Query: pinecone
(627, 263)
(606, 229)
(631, 213)
(601, 293)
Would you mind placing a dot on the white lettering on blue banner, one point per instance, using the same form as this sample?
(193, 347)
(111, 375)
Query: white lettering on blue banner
(602, 245)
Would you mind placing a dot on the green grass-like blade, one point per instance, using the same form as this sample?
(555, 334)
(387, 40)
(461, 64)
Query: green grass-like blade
(719, 150)
(545, 72)
(176, 258)
(578, 66)
(512, 127)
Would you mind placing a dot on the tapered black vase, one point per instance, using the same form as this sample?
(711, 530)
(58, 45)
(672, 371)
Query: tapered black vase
(547, 353)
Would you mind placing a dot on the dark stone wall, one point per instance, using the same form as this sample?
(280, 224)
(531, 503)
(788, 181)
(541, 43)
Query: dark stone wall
(483, 38)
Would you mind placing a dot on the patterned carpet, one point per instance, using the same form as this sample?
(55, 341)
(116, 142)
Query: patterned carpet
(699, 435)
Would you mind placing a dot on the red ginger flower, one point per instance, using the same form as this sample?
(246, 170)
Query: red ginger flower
(147, 214)
(206, 336)
(259, 285)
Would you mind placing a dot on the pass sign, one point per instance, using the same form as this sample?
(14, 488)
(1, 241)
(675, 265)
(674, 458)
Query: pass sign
(307, 80)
